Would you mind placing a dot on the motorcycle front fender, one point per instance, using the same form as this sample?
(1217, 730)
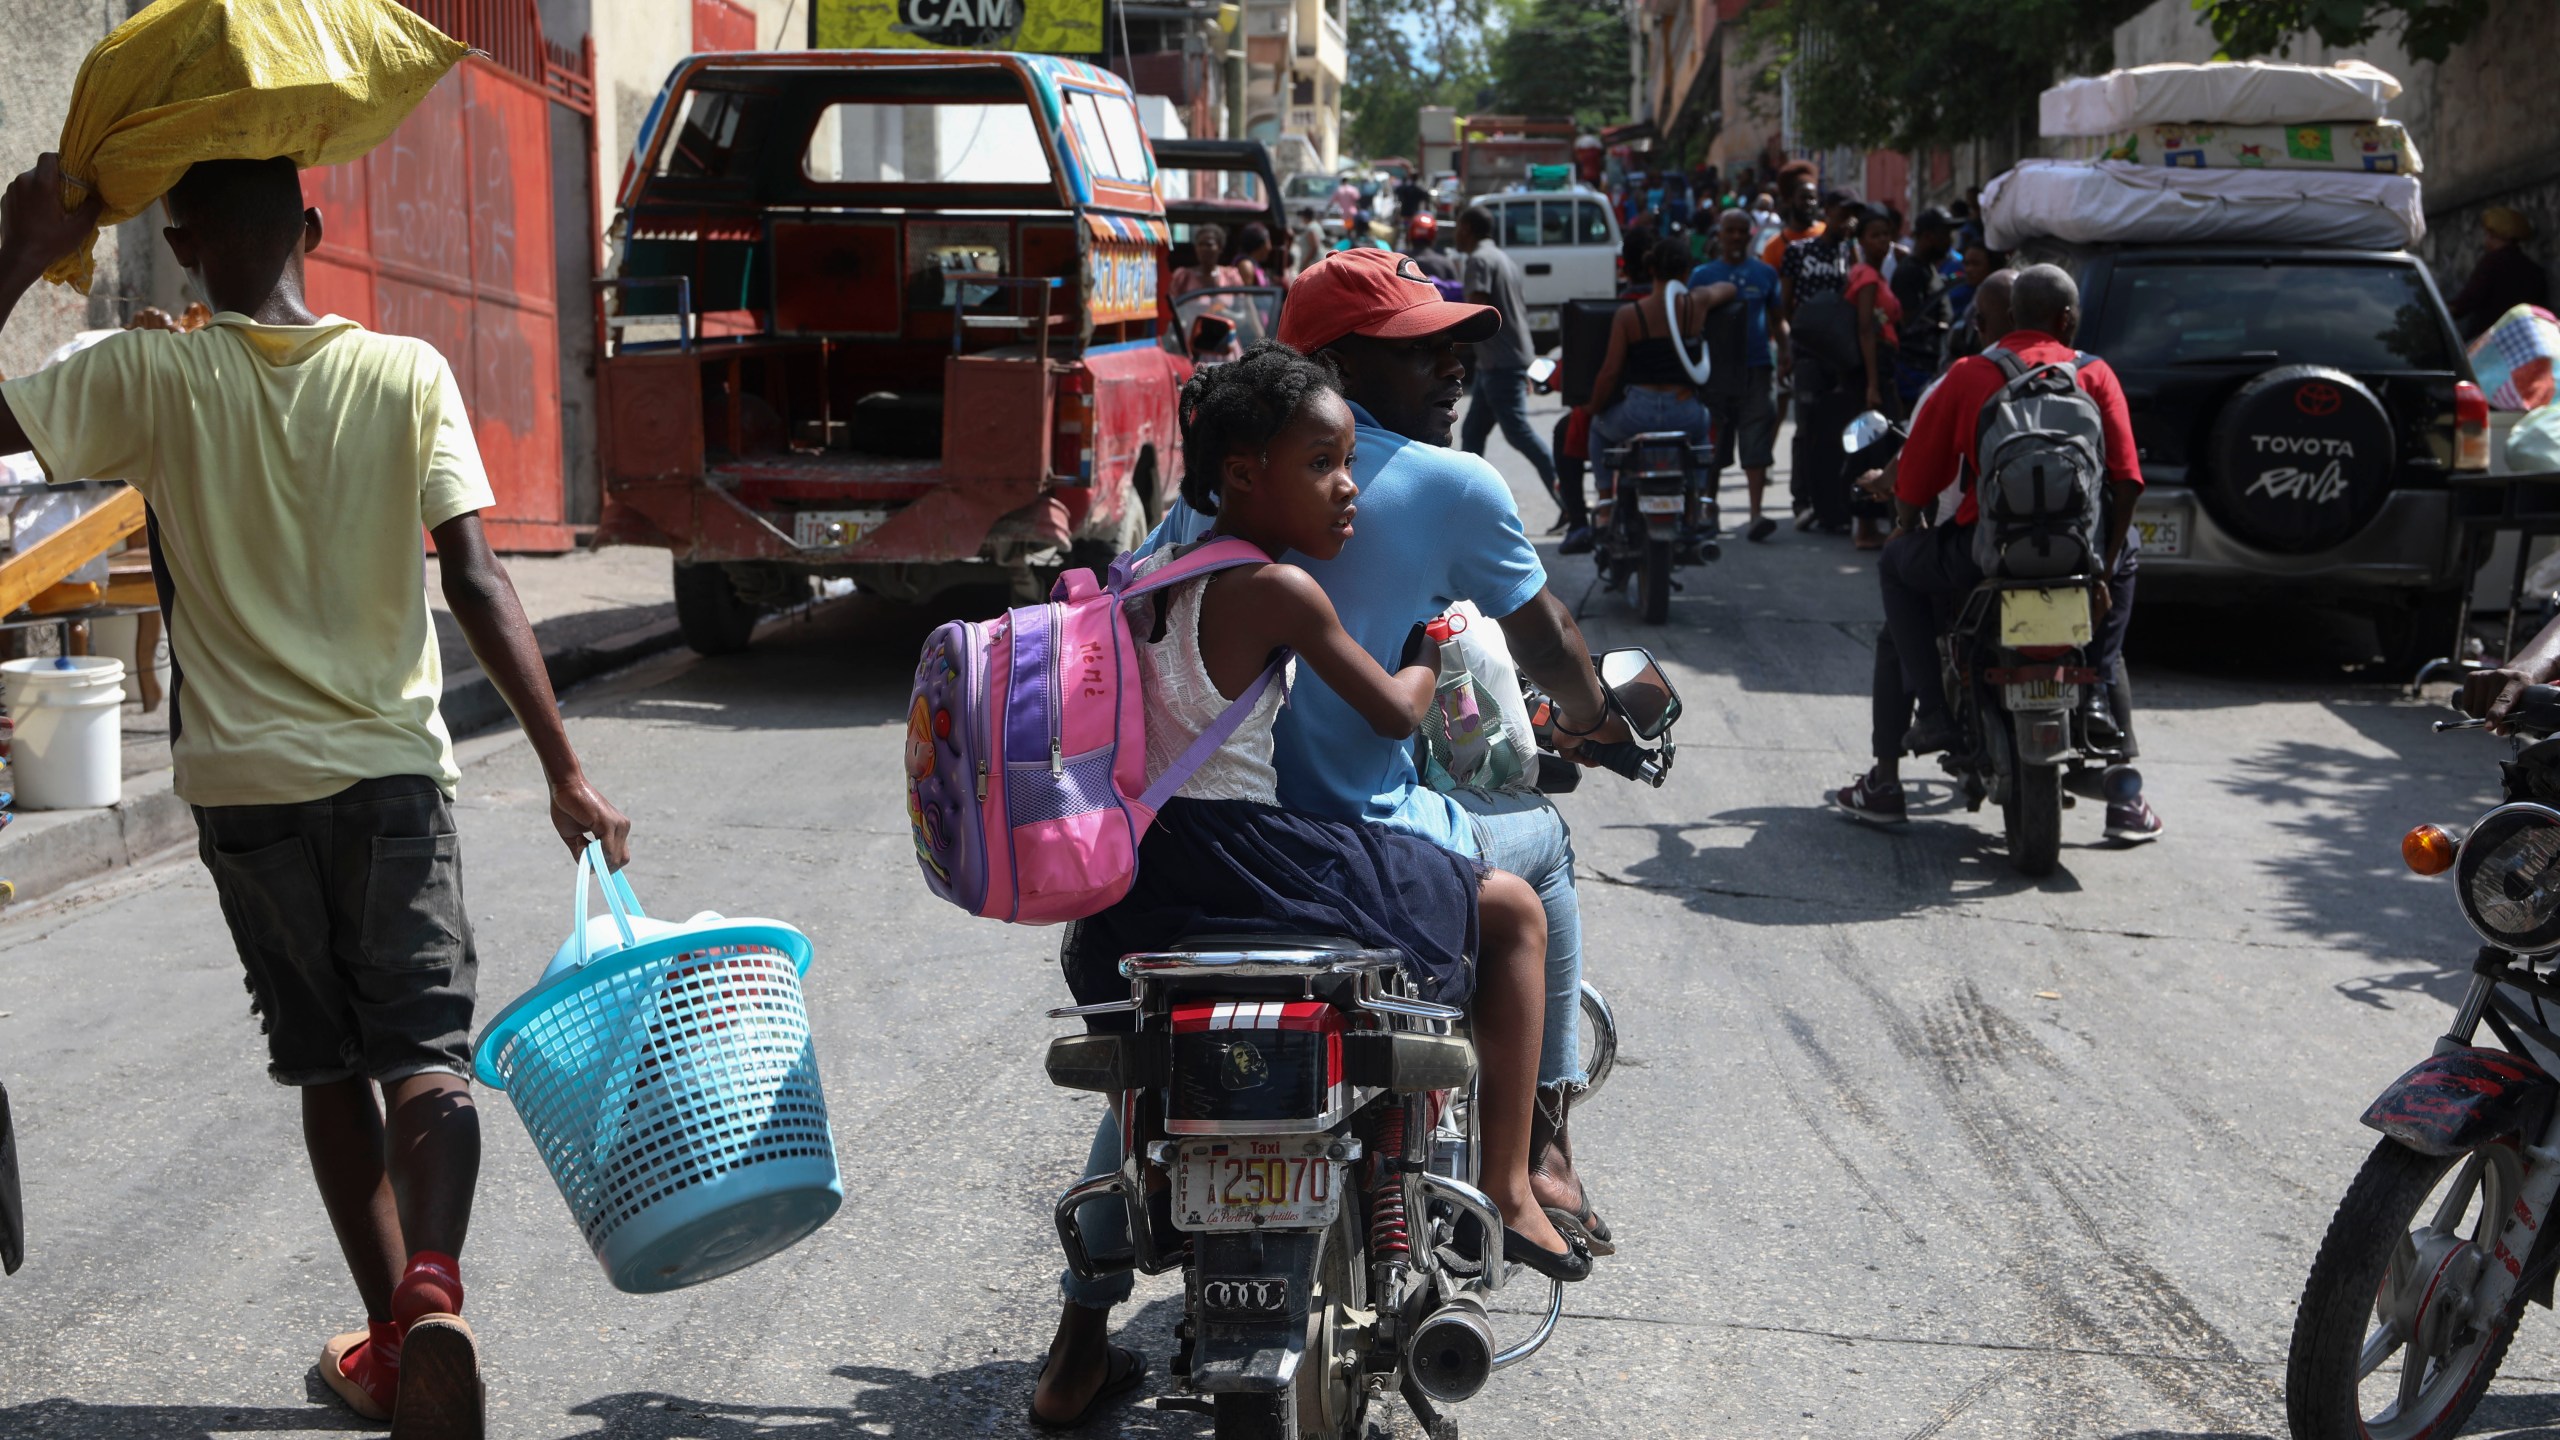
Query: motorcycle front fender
(2463, 1097)
(1250, 1300)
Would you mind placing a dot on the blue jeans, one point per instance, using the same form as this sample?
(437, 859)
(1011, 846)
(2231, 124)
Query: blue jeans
(1521, 833)
(1641, 412)
(1502, 395)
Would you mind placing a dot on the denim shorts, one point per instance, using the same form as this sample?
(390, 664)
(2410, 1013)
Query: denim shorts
(348, 916)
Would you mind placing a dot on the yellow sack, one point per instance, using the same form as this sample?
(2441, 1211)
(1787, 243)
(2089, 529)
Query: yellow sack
(321, 81)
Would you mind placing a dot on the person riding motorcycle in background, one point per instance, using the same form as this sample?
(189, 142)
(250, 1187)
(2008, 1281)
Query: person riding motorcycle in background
(1643, 385)
(1431, 253)
(1924, 571)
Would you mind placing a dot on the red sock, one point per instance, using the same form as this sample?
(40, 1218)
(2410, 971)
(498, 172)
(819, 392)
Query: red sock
(375, 1364)
(432, 1285)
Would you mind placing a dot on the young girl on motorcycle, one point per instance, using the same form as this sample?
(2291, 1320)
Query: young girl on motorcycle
(1267, 448)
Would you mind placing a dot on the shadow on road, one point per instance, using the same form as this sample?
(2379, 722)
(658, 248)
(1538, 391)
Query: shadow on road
(985, 1399)
(1787, 868)
(2344, 883)
(60, 1419)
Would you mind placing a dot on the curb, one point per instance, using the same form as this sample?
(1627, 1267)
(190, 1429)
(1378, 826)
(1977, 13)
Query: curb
(46, 851)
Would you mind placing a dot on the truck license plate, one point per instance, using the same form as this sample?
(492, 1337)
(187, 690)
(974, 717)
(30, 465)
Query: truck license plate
(2058, 616)
(834, 529)
(1245, 1183)
(2163, 532)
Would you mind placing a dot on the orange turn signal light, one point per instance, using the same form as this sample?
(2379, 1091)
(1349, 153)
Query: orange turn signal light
(2428, 849)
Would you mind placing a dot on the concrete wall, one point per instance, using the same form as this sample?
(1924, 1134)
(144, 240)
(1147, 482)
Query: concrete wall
(637, 43)
(46, 40)
(2482, 120)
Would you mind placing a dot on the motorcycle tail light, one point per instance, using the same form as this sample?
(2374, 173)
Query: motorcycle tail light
(2043, 652)
(2428, 849)
(1255, 1065)
(2470, 427)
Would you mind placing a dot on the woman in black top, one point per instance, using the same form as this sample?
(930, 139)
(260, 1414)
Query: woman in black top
(1643, 386)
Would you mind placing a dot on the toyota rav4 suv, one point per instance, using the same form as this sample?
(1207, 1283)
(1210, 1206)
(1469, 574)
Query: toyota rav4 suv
(2300, 413)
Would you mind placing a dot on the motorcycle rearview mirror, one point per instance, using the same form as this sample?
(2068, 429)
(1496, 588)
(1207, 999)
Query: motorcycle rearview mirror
(1642, 692)
(1864, 431)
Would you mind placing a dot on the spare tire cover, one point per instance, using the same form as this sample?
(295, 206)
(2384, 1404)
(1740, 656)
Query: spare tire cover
(2302, 459)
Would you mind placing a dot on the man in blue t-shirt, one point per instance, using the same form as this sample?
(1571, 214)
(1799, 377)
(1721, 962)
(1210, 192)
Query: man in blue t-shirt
(1437, 525)
(1746, 414)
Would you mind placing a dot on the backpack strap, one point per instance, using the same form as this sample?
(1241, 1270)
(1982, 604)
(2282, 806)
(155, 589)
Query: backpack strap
(1213, 739)
(1221, 553)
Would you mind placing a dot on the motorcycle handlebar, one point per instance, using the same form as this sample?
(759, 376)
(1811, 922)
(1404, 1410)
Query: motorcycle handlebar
(1625, 757)
(2536, 714)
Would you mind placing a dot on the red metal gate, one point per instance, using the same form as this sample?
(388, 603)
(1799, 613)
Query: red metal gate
(444, 233)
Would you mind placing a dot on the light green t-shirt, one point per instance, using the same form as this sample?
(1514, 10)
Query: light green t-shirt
(289, 470)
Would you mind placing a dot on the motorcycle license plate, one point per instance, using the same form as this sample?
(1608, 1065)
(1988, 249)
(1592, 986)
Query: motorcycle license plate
(2044, 617)
(1247, 1183)
(2037, 695)
(835, 529)
(1660, 504)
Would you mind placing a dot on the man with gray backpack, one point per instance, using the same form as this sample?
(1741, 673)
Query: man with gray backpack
(2039, 437)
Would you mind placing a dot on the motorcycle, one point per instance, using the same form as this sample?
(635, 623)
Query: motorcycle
(1662, 517)
(2015, 663)
(2445, 1233)
(1299, 1139)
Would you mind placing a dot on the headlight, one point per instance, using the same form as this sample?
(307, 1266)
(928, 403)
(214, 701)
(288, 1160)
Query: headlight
(2508, 874)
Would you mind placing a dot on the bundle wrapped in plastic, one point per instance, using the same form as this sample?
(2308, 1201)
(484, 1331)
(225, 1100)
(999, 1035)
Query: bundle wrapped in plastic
(318, 81)
(2513, 359)
(2375, 147)
(2228, 92)
(2091, 202)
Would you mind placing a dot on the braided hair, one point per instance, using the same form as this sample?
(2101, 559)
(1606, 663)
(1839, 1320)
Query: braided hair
(1236, 408)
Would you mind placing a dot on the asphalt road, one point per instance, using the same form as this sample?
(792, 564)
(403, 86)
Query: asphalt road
(1902, 1146)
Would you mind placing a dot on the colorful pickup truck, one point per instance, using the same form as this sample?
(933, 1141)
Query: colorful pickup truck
(890, 315)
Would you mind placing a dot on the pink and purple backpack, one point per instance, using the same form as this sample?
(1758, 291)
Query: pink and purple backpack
(1027, 747)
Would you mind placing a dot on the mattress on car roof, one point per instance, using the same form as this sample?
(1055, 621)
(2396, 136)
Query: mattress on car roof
(2244, 92)
(2096, 202)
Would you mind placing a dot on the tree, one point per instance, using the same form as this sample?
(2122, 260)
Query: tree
(1890, 73)
(1563, 57)
(2429, 29)
(1405, 54)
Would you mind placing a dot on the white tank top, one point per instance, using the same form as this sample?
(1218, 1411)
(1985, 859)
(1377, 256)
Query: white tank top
(1183, 701)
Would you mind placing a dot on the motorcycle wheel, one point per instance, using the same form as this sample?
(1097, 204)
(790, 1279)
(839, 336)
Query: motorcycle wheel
(1653, 585)
(1330, 1400)
(2032, 817)
(2379, 1275)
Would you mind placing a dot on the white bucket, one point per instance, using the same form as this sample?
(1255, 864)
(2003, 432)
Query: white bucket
(68, 753)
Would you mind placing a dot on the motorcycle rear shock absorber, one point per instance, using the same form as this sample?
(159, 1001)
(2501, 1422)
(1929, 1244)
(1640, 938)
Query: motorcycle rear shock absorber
(1390, 1240)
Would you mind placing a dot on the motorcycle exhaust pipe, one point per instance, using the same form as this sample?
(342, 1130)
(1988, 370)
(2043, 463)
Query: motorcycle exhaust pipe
(1451, 1353)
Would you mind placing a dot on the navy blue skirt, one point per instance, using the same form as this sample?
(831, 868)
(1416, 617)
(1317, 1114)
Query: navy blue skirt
(1232, 867)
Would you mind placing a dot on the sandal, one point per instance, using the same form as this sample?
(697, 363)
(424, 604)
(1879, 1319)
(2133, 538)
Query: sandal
(333, 1373)
(1584, 1224)
(1573, 1264)
(441, 1397)
(1120, 1382)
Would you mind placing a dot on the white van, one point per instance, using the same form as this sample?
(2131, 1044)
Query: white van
(1566, 243)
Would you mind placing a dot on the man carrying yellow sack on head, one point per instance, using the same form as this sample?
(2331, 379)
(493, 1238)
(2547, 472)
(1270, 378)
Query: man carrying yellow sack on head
(290, 461)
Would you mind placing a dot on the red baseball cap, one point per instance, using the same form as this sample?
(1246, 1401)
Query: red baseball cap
(1377, 293)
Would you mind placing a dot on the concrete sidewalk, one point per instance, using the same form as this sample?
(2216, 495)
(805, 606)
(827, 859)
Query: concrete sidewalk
(592, 610)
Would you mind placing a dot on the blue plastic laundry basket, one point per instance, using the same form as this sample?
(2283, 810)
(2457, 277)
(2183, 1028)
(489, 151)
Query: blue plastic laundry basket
(666, 1074)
